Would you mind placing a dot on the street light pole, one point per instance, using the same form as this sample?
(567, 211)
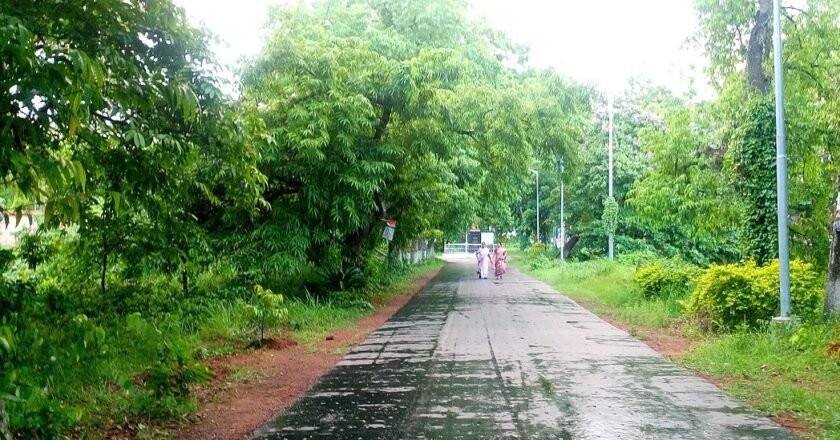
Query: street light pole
(562, 223)
(612, 234)
(781, 167)
(562, 220)
(537, 173)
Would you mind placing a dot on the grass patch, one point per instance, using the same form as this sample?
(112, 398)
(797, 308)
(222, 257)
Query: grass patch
(793, 374)
(313, 319)
(777, 374)
(604, 286)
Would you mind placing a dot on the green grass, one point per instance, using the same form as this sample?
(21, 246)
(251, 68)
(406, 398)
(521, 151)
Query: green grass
(777, 372)
(312, 319)
(604, 286)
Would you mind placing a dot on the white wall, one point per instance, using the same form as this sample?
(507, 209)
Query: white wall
(8, 234)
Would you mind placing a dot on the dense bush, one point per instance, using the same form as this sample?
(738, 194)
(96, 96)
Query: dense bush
(665, 278)
(537, 249)
(730, 295)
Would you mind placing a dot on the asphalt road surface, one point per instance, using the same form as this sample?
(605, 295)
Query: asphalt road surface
(479, 359)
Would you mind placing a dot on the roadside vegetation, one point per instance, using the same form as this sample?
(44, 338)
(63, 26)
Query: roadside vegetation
(177, 222)
(133, 372)
(792, 374)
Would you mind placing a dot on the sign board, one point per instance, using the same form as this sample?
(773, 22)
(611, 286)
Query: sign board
(390, 226)
(474, 237)
(488, 237)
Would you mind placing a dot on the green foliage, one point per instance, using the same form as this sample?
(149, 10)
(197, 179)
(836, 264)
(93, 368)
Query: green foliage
(356, 106)
(538, 256)
(665, 278)
(686, 185)
(730, 296)
(610, 216)
(605, 287)
(161, 390)
(537, 250)
(754, 159)
(779, 372)
(265, 311)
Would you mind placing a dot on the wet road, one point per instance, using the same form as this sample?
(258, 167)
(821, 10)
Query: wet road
(478, 359)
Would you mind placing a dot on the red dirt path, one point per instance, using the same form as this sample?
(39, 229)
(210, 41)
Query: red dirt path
(233, 408)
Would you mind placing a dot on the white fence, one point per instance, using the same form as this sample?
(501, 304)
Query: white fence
(463, 248)
(418, 250)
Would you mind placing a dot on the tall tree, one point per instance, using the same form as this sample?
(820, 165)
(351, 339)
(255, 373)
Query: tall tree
(406, 110)
(113, 119)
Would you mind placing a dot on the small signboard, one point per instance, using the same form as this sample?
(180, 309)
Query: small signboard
(390, 226)
(474, 237)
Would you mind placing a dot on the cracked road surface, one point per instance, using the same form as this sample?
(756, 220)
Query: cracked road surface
(478, 359)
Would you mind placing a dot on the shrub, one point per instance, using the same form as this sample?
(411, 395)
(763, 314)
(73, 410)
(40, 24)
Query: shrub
(265, 312)
(665, 278)
(638, 257)
(731, 296)
(537, 250)
(161, 389)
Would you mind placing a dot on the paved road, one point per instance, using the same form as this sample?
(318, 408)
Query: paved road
(478, 359)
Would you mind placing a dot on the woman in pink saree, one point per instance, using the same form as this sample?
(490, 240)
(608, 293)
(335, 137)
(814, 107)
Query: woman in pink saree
(500, 260)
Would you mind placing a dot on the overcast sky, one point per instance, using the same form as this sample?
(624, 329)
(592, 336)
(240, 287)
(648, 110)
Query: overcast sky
(601, 42)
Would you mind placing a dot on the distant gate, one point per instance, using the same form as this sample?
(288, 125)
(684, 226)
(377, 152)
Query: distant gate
(463, 248)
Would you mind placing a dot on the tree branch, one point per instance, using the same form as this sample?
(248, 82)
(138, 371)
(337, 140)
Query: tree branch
(383, 122)
(110, 119)
(470, 133)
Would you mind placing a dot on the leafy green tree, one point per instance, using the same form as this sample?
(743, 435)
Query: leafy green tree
(115, 121)
(736, 35)
(685, 186)
(371, 110)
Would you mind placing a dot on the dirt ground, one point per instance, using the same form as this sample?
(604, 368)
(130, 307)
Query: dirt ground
(249, 388)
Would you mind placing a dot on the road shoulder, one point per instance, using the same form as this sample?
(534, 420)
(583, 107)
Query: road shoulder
(250, 388)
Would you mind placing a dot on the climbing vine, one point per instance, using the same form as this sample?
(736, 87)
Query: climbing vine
(755, 166)
(610, 215)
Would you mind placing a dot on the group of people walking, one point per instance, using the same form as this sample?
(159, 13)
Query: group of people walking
(497, 259)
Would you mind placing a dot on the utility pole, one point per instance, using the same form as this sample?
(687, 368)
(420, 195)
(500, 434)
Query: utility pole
(562, 219)
(562, 224)
(612, 234)
(781, 167)
(539, 237)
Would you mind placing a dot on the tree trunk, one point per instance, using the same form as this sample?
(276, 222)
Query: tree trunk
(570, 244)
(185, 282)
(758, 49)
(832, 289)
(104, 263)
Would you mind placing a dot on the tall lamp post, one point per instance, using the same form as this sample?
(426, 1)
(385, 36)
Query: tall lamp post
(781, 168)
(562, 219)
(612, 234)
(537, 173)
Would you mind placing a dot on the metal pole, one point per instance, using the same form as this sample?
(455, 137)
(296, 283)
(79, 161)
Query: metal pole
(781, 165)
(612, 234)
(562, 223)
(538, 206)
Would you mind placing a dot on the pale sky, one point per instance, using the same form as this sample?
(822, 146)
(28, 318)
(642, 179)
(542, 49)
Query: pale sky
(600, 42)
